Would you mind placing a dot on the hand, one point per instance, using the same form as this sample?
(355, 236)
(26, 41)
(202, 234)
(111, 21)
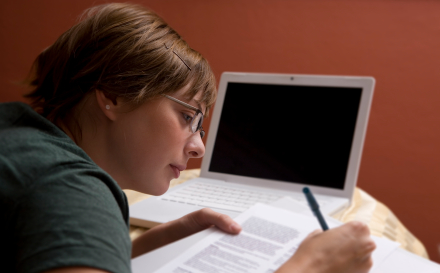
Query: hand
(205, 218)
(345, 249)
(187, 225)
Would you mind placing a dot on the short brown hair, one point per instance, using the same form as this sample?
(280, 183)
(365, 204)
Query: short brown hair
(124, 50)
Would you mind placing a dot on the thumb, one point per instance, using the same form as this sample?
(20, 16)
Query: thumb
(205, 218)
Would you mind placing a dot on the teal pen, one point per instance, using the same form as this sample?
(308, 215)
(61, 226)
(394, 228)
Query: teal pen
(315, 208)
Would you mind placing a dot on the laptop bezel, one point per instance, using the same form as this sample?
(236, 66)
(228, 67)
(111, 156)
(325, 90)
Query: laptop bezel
(367, 85)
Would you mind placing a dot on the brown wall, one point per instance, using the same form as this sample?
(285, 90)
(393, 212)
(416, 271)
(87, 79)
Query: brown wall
(397, 42)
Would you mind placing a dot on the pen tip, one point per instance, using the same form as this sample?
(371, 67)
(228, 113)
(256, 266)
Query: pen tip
(306, 190)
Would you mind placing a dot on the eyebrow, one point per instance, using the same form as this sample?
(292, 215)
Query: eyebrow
(186, 104)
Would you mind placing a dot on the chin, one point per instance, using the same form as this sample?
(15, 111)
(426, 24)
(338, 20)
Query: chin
(156, 190)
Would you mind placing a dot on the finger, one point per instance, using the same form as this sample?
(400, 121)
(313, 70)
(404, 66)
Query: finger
(365, 265)
(366, 249)
(359, 227)
(313, 233)
(362, 234)
(207, 217)
(368, 263)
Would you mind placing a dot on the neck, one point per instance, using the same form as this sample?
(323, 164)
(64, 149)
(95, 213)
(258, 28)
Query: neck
(89, 128)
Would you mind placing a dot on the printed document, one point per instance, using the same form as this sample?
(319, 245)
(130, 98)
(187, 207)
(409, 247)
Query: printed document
(270, 236)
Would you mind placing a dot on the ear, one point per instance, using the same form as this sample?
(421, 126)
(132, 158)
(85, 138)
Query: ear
(108, 106)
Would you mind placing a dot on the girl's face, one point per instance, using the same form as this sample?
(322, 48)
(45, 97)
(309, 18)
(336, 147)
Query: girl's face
(153, 143)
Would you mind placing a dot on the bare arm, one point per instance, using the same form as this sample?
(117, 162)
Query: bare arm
(175, 230)
(76, 269)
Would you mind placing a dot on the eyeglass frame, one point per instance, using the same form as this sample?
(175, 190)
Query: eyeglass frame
(202, 132)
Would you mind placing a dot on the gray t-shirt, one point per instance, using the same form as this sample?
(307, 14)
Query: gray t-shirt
(57, 207)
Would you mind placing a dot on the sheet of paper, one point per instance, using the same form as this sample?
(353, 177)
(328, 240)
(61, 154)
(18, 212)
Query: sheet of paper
(384, 247)
(269, 237)
(288, 203)
(387, 258)
(402, 261)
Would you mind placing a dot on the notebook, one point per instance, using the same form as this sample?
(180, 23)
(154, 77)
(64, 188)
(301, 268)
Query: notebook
(270, 136)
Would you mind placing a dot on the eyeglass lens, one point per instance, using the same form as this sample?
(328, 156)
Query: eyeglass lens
(197, 122)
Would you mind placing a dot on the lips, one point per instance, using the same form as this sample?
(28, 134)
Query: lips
(177, 169)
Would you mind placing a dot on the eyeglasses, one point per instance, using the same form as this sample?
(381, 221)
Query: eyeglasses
(196, 120)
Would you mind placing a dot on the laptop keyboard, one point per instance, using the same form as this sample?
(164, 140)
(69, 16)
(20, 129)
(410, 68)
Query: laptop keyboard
(219, 197)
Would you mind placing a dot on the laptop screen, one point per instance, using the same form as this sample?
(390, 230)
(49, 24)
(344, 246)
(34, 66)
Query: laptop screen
(290, 133)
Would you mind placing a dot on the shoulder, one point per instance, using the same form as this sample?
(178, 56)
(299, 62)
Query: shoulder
(26, 136)
(34, 152)
(38, 159)
(60, 208)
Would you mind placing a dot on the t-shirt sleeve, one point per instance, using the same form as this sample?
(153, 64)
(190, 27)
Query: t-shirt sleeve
(70, 219)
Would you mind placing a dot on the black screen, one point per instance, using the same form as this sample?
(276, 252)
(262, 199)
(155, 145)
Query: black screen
(300, 134)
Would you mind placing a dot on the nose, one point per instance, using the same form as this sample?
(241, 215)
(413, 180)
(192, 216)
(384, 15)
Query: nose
(195, 147)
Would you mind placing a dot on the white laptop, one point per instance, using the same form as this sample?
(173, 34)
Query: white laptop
(270, 136)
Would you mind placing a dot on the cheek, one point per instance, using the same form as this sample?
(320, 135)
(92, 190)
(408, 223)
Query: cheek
(144, 145)
(167, 134)
(144, 148)
(152, 144)
(132, 143)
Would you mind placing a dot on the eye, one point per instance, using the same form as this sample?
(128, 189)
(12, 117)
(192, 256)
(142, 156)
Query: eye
(186, 117)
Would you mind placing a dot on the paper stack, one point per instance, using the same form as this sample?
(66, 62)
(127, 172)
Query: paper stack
(270, 235)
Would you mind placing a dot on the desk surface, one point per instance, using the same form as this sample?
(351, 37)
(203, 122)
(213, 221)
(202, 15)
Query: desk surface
(381, 220)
